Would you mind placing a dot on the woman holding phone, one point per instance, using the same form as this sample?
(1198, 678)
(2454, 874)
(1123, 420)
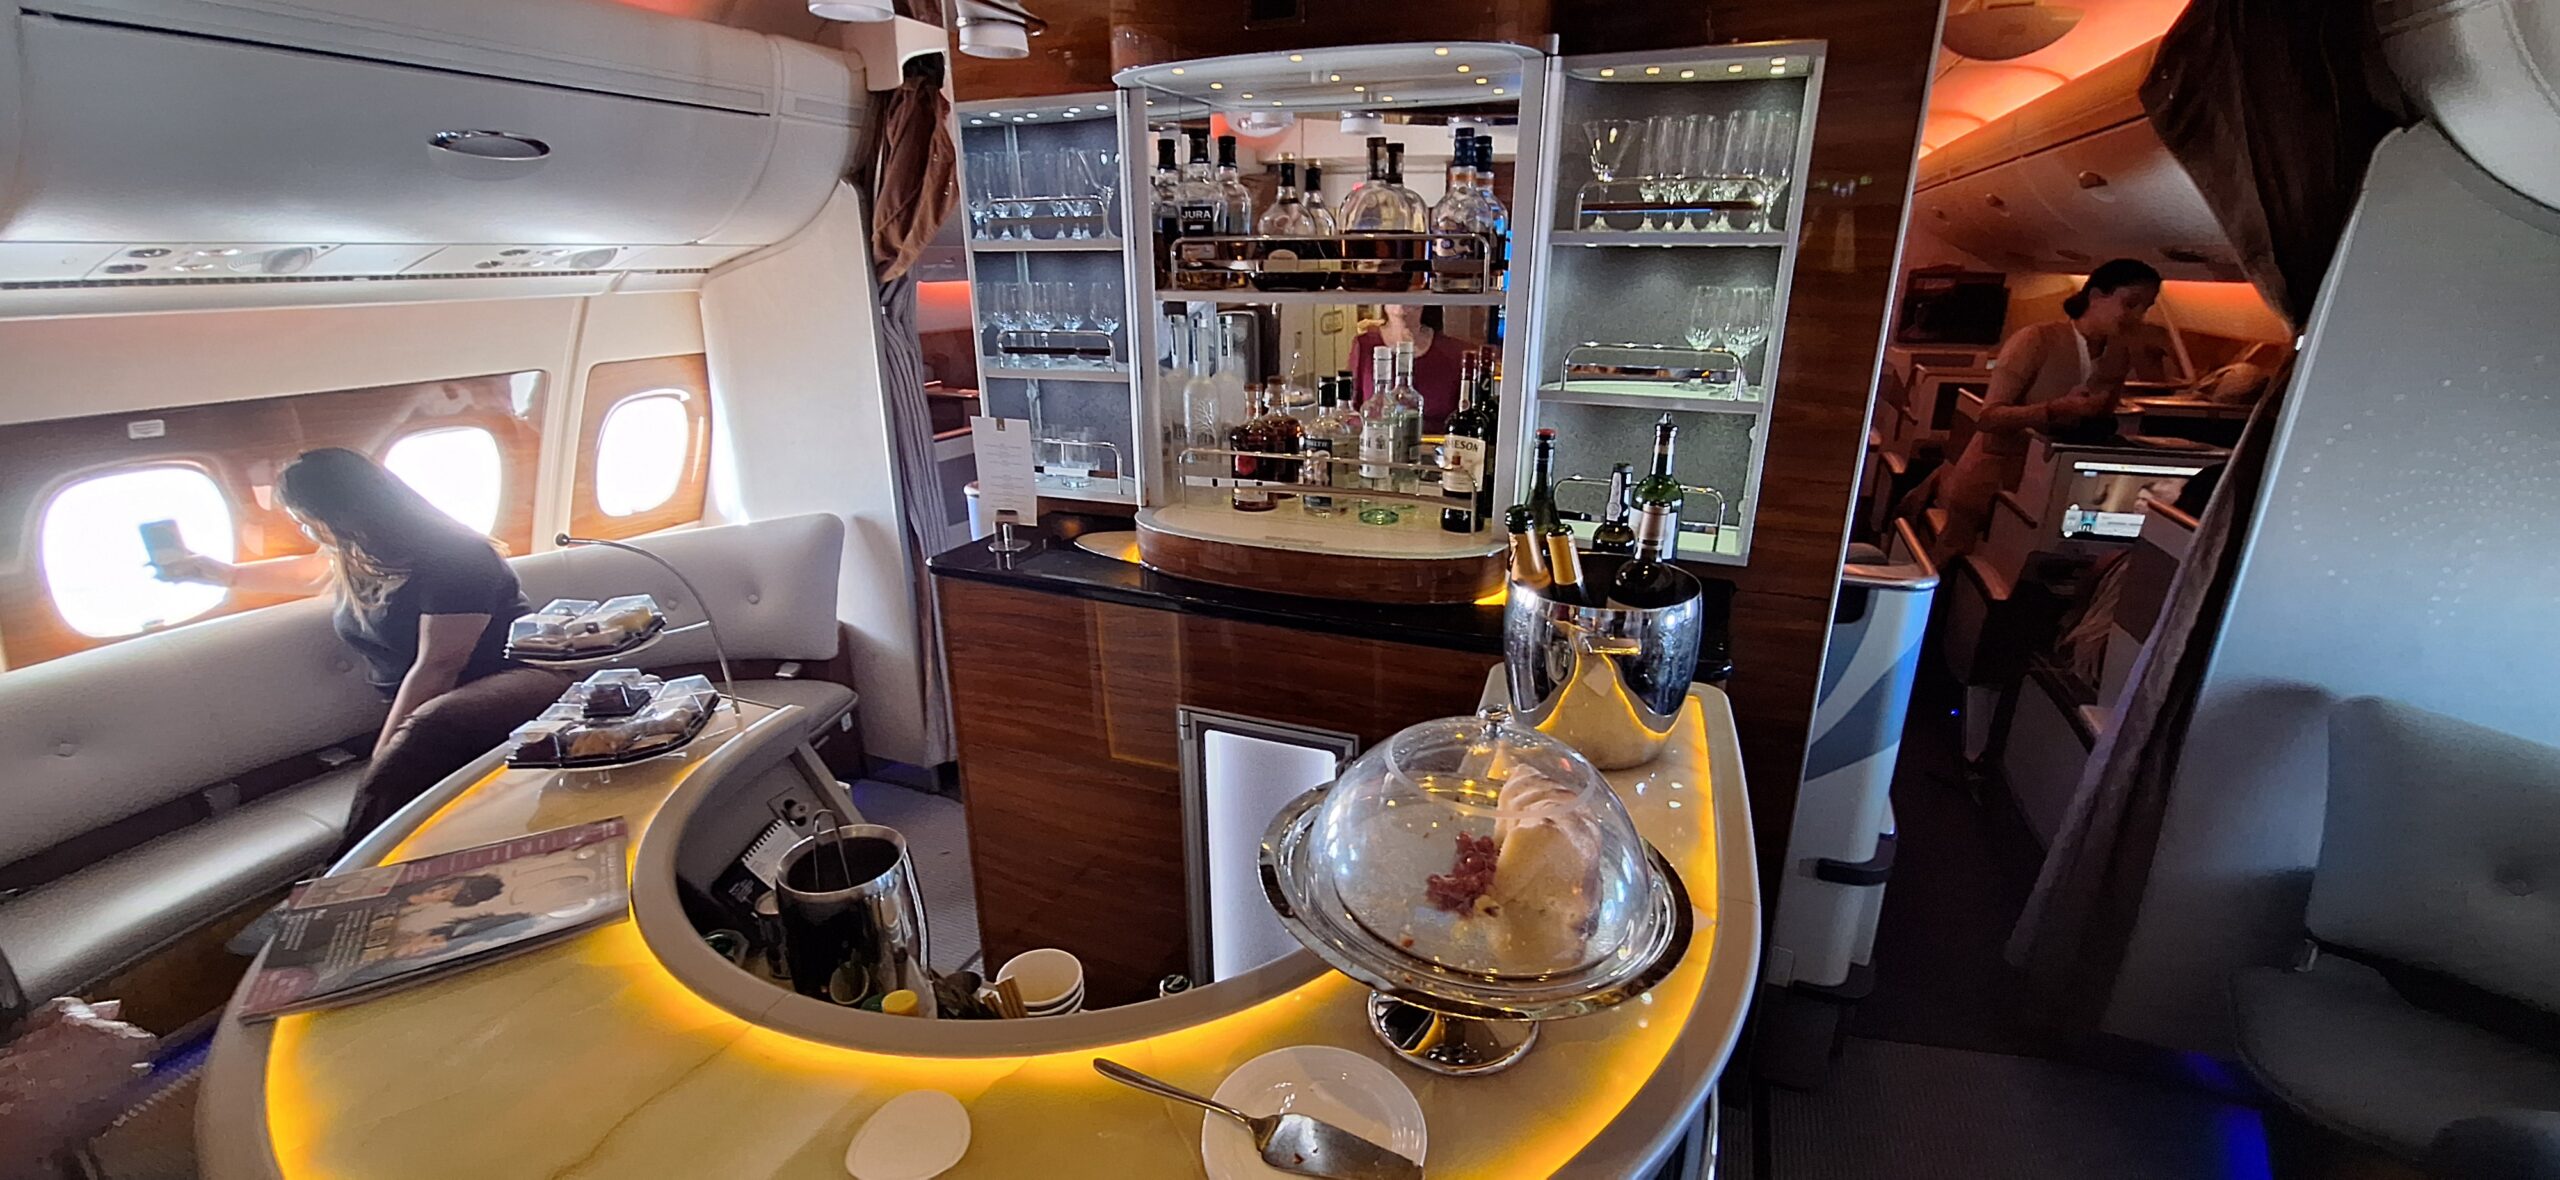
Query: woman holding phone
(426, 602)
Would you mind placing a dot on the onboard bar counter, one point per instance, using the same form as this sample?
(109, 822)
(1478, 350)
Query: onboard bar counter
(635, 1050)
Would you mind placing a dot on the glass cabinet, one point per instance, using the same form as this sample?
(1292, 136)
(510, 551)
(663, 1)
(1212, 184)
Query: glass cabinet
(1040, 188)
(1582, 244)
(1672, 221)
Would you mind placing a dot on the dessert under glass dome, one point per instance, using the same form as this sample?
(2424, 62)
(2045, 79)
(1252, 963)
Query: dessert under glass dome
(1480, 876)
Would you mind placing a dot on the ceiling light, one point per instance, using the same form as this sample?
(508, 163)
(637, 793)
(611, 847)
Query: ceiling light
(1735, 68)
(1275, 102)
(1466, 69)
(1076, 110)
(1217, 85)
(1442, 51)
(1777, 70)
(1386, 98)
(1177, 70)
(1652, 70)
(1244, 96)
(1297, 57)
(1609, 73)
(1497, 90)
(1483, 81)
(1777, 61)
(1333, 77)
(1032, 115)
(1359, 88)
(1688, 73)
(977, 122)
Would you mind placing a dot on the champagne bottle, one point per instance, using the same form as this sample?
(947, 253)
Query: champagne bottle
(1615, 535)
(1542, 489)
(1564, 569)
(1528, 558)
(1650, 580)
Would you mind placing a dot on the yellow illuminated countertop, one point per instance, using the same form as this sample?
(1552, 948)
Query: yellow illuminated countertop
(590, 1059)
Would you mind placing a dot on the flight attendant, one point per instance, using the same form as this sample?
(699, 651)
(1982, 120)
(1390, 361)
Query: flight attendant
(425, 600)
(2050, 377)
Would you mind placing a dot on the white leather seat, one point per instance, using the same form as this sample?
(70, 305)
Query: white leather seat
(95, 739)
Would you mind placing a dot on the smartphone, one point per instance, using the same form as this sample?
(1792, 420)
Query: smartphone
(161, 540)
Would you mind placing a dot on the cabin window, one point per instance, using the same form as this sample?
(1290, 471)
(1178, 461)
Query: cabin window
(644, 447)
(457, 468)
(641, 452)
(96, 570)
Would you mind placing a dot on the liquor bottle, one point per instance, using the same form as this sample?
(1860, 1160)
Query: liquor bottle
(1251, 435)
(1542, 488)
(1564, 569)
(1323, 431)
(1278, 432)
(1493, 220)
(1457, 259)
(1201, 423)
(1381, 206)
(1379, 435)
(1199, 211)
(1312, 196)
(1349, 429)
(1528, 557)
(1615, 535)
(1234, 199)
(1466, 443)
(1167, 211)
(1649, 580)
(1283, 260)
(1405, 403)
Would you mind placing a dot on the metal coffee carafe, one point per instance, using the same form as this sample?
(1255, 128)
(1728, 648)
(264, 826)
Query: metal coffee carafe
(853, 917)
(1608, 681)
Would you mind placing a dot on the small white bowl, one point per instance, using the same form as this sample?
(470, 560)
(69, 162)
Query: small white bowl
(915, 1136)
(1047, 977)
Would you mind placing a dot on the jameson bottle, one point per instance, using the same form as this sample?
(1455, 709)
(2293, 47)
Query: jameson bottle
(1615, 535)
(1649, 580)
(1465, 479)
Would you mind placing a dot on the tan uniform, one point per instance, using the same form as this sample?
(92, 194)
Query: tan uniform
(2037, 365)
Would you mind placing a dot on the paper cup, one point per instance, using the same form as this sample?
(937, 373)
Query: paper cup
(1051, 980)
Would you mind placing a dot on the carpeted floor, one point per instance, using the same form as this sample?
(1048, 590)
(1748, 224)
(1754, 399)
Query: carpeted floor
(938, 838)
(1918, 1112)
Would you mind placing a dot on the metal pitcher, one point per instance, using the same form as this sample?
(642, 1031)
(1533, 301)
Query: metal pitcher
(1608, 681)
(850, 902)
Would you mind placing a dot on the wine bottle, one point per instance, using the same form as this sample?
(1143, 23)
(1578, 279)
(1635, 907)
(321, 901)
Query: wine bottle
(1407, 406)
(1468, 441)
(1650, 581)
(1615, 535)
(1542, 489)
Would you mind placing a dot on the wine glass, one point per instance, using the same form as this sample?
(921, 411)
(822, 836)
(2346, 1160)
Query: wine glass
(1103, 307)
(1040, 314)
(1746, 138)
(1658, 167)
(1707, 313)
(1102, 175)
(1776, 163)
(1066, 301)
(1698, 139)
(1004, 310)
(1746, 325)
(989, 185)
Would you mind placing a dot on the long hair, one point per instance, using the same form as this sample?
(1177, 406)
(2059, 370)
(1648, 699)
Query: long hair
(379, 527)
(2111, 276)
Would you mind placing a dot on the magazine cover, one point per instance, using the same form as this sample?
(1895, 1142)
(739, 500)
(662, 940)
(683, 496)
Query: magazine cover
(381, 928)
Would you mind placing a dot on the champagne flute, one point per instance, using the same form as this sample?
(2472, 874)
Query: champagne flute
(1746, 325)
(1707, 307)
(1039, 315)
(1004, 310)
(1103, 307)
(1777, 163)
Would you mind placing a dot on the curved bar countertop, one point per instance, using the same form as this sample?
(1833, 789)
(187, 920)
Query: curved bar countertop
(594, 1057)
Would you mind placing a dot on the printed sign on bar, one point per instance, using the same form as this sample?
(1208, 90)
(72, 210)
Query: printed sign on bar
(1005, 472)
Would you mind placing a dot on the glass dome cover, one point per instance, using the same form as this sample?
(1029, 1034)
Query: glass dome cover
(1479, 868)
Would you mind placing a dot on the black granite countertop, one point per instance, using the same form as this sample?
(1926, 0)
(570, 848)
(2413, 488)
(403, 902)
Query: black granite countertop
(1054, 565)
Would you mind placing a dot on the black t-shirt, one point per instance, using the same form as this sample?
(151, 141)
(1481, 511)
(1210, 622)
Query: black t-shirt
(465, 577)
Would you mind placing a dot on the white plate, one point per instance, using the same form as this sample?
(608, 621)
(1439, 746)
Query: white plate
(1336, 1085)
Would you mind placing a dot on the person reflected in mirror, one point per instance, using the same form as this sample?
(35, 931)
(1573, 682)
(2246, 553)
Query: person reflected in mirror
(425, 600)
(2063, 378)
(1435, 358)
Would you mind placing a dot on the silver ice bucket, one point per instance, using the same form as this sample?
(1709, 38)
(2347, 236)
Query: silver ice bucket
(1607, 681)
(852, 916)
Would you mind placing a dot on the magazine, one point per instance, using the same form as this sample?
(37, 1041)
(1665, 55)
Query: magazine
(374, 930)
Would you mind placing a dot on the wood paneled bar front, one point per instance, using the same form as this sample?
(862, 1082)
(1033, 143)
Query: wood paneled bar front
(1068, 670)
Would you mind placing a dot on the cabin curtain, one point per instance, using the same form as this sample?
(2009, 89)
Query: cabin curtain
(2273, 107)
(911, 188)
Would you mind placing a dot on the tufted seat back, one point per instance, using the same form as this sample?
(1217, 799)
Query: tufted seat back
(93, 738)
(2439, 849)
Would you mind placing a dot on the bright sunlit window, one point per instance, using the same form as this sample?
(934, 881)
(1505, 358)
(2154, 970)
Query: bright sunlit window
(457, 469)
(95, 566)
(641, 452)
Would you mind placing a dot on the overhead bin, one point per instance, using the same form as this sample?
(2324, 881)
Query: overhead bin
(345, 125)
(2071, 180)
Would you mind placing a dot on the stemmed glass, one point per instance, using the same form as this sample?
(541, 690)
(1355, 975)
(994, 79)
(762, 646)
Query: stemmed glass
(1708, 309)
(990, 185)
(1077, 179)
(1040, 314)
(1746, 325)
(1697, 157)
(1066, 302)
(1659, 166)
(1610, 139)
(1103, 307)
(1776, 162)
(1004, 310)
(1102, 179)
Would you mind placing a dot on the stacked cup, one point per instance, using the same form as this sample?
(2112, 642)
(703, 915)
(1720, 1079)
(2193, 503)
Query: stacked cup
(1051, 981)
